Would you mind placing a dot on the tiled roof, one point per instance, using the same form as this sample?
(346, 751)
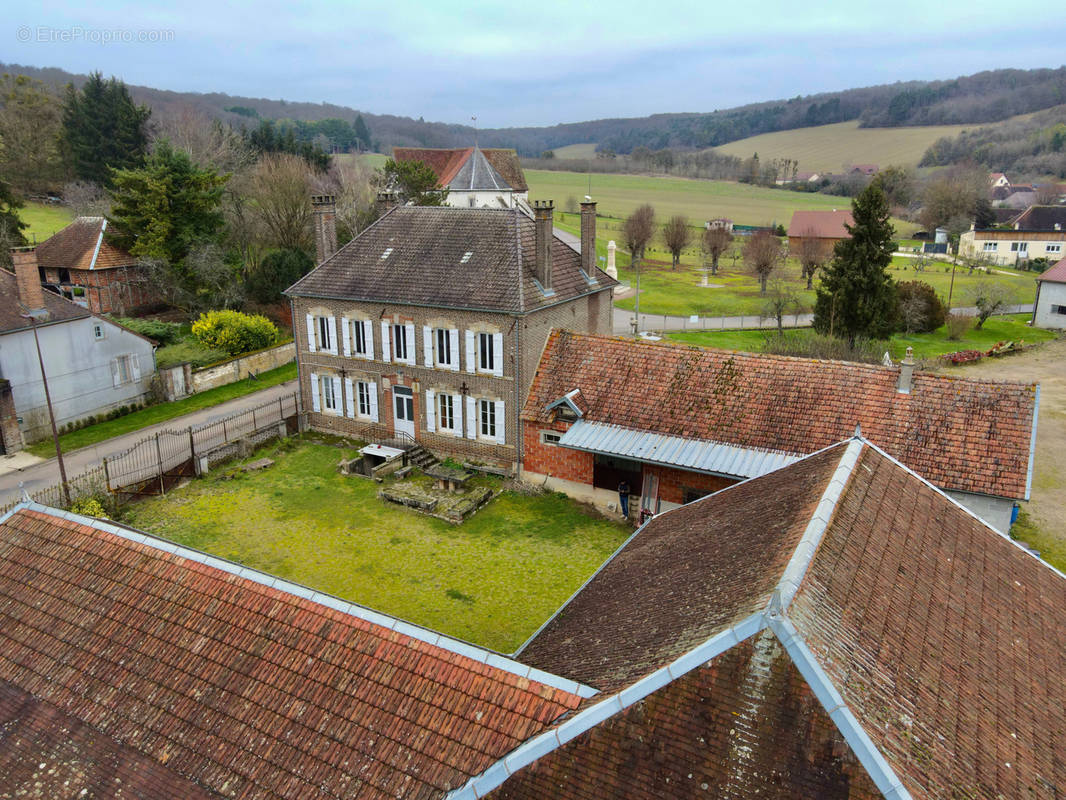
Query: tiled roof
(447, 163)
(142, 659)
(673, 585)
(82, 245)
(59, 309)
(416, 255)
(1055, 274)
(964, 435)
(934, 646)
(820, 224)
(1041, 218)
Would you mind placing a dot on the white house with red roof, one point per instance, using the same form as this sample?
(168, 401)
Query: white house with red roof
(474, 178)
(1050, 308)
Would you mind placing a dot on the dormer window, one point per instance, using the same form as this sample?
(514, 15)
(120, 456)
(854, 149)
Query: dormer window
(387, 253)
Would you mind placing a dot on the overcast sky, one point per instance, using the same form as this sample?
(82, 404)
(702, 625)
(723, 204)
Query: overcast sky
(538, 62)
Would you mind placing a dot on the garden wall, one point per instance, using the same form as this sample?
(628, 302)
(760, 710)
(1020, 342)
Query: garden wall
(180, 381)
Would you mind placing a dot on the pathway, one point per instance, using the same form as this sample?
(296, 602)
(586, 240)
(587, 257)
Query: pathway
(15, 469)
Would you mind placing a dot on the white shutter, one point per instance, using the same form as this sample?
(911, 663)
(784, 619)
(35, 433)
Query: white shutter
(311, 333)
(135, 364)
(368, 333)
(457, 407)
(385, 356)
(346, 336)
(471, 418)
(431, 411)
(349, 394)
(501, 423)
(453, 342)
(316, 405)
(412, 351)
(338, 409)
(427, 345)
(470, 352)
(114, 372)
(497, 355)
(372, 390)
(331, 327)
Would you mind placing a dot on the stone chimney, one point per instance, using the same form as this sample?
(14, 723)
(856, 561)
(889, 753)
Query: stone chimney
(386, 201)
(544, 213)
(324, 207)
(588, 236)
(906, 372)
(28, 281)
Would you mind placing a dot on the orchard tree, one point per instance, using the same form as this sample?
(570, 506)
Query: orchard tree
(676, 234)
(413, 182)
(857, 297)
(762, 254)
(812, 253)
(637, 231)
(103, 129)
(716, 240)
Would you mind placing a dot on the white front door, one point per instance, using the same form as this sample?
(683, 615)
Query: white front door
(403, 407)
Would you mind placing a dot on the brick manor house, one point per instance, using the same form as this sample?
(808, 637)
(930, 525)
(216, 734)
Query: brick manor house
(431, 322)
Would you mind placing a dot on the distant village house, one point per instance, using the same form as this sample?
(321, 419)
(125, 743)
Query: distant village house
(474, 177)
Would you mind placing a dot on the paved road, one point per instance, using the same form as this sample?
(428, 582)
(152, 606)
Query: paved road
(623, 320)
(46, 473)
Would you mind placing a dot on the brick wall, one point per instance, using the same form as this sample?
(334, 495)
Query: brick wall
(239, 368)
(116, 290)
(550, 459)
(673, 482)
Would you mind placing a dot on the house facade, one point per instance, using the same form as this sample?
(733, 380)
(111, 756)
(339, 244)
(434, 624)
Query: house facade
(1049, 311)
(1039, 232)
(428, 326)
(677, 423)
(93, 365)
(474, 177)
(79, 264)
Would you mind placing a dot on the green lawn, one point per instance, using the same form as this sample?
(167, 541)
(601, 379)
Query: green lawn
(43, 220)
(1052, 548)
(926, 345)
(492, 580)
(162, 412)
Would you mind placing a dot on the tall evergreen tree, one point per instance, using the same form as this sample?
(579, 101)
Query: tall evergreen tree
(11, 226)
(362, 133)
(103, 129)
(166, 207)
(857, 297)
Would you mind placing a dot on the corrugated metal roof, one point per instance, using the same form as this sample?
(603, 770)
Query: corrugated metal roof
(700, 455)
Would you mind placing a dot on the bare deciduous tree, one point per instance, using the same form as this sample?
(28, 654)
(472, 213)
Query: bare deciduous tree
(280, 188)
(781, 300)
(990, 298)
(813, 254)
(206, 141)
(352, 182)
(86, 199)
(637, 231)
(762, 254)
(716, 240)
(676, 235)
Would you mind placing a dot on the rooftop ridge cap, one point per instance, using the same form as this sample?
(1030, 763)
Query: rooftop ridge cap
(875, 764)
(546, 742)
(959, 505)
(420, 633)
(1032, 443)
(803, 555)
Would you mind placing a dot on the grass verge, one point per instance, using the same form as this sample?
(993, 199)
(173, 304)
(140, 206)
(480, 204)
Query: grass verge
(491, 580)
(163, 411)
(1052, 549)
(43, 219)
(1010, 327)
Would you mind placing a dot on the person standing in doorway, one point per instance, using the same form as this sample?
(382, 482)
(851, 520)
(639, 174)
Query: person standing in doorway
(623, 497)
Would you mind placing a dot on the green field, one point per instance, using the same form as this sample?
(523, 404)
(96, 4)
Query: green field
(43, 220)
(1007, 328)
(491, 580)
(587, 150)
(829, 148)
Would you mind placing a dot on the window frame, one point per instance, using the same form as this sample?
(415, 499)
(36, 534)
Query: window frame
(398, 331)
(486, 417)
(329, 401)
(550, 438)
(125, 369)
(443, 337)
(358, 334)
(991, 247)
(1053, 247)
(362, 398)
(446, 412)
(99, 332)
(322, 334)
(486, 354)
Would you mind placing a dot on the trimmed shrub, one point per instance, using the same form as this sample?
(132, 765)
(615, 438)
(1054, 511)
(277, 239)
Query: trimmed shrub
(234, 332)
(920, 308)
(957, 326)
(90, 507)
(162, 332)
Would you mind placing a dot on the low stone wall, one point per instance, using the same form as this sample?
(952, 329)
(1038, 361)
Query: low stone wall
(241, 367)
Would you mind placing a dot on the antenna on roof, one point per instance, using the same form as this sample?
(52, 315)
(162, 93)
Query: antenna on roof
(858, 431)
(474, 119)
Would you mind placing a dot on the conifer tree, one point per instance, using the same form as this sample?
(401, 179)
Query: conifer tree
(103, 129)
(857, 297)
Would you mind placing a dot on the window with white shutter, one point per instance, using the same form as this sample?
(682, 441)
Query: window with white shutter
(453, 348)
(316, 403)
(349, 397)
(372, 391)
(329, 388)
(471, 363)
(448, 421)
(427, 346)
(311, 333)
(386, 354)
(471, 418)
(331, 333)
(346, 336)
(487, 419)
(431, 411)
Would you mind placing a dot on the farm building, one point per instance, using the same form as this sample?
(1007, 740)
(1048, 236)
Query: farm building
(838, 629)
(474, 178)
(81, 265)
(1050, 308)
(678, 422)
(427, 327)
(826, 228)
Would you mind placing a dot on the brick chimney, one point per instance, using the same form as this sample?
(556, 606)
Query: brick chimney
(906, 372)
(28, 281)
(386, 201)
(543, 213)
(324, 207)
(588, 236)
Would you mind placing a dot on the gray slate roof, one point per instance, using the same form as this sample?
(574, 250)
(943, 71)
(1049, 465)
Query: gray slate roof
(478, 175)
(59, 309)
(415, 255)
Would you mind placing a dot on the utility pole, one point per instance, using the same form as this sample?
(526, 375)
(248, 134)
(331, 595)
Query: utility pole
(51, 413)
